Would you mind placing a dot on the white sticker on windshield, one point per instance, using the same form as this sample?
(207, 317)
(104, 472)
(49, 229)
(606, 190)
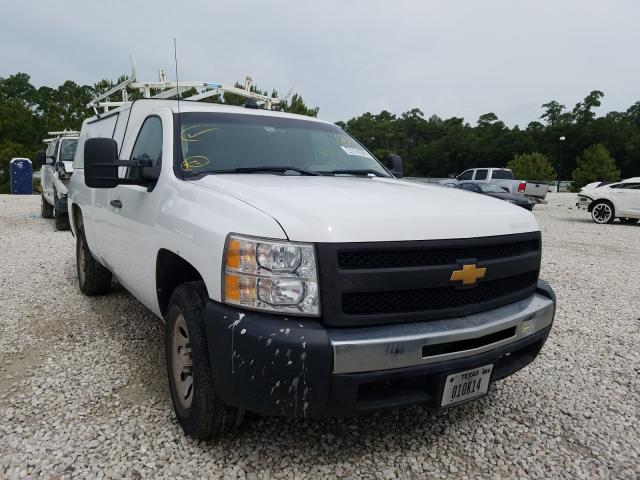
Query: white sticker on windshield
(358, 152)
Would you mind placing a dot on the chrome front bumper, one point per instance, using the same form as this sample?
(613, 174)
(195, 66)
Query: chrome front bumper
(367, 349)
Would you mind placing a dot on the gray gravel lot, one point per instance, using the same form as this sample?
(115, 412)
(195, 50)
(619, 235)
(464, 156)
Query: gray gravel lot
(83, 391)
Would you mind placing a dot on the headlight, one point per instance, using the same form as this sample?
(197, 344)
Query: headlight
(271, 275)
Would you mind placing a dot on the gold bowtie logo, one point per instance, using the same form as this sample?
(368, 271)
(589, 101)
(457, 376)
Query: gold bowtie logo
(469, 274)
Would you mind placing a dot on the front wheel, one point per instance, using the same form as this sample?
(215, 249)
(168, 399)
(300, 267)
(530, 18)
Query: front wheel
(94, 279)
(629, 220)
(200, 412)
(46, 209)
(602, 213)
(62, 222)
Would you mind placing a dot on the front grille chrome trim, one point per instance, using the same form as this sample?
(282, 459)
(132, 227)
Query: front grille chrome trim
(365, 349)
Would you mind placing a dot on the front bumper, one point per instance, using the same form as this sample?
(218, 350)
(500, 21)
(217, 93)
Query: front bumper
(297, 367)
(583, 202)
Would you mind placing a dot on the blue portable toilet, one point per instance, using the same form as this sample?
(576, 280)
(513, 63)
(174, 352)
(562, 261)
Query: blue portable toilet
(21, 176)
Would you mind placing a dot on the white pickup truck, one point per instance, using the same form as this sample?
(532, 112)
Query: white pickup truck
(503, 177)
(295, 274)
(57, 168)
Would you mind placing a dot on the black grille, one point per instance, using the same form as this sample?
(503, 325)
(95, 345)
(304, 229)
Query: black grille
(376, 283)
(353, 260)
(404, 301)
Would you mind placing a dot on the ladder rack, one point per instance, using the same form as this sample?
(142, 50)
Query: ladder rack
(164, 88)
(62, 134)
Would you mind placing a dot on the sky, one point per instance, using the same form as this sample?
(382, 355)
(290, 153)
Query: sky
(449, 58)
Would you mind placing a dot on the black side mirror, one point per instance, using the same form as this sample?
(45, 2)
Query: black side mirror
(101, 166)
(41, 158)
(101, 163)
(394, 163)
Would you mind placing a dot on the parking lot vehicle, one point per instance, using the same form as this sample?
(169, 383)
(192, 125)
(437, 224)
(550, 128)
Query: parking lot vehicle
(497, 192)
(296, 274)
(503, 177)
(608, 201)
(57, 168)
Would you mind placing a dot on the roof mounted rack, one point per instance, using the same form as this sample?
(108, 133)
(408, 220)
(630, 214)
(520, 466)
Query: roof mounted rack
(164, 88)
(56, 135)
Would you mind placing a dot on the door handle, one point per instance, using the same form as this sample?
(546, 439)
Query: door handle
(116, 203)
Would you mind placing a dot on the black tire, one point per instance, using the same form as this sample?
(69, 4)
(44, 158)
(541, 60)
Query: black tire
(62, 222)
(46, 209)
(629, 221)
(200, 413)
(94, 279)
(603, 212)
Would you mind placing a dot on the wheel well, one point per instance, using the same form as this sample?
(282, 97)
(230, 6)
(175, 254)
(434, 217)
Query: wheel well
(172, 271)
(596, 202)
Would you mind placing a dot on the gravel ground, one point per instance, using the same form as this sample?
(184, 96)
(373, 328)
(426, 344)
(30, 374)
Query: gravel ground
(83, 391)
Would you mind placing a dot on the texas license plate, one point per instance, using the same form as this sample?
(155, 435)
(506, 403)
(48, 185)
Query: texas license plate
(466, 385)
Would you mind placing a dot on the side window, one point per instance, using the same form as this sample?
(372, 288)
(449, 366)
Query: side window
(148, 145)
(481, 174)
(467, 175)
(469, 186)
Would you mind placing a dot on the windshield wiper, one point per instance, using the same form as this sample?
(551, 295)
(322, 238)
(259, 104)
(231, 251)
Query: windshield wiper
(266, 169)
(363, 172)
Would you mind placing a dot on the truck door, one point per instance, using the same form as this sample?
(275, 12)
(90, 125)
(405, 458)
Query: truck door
(131, 219)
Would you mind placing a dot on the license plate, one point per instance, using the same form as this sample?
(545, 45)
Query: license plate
(466, 385)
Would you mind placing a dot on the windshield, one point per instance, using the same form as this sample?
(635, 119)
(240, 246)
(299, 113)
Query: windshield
(489, 188)
(68, 149)
(223, 142)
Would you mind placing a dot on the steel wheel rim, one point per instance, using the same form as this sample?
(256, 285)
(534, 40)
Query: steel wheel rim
(181, 362)
(602, 213)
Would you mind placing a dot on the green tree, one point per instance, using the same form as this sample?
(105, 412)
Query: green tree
(595, 164)
(532, 166)
(582, 112)
(554, 113)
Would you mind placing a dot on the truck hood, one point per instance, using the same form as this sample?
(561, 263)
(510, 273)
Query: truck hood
(358, 209)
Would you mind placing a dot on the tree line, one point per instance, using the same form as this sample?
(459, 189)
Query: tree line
(559, 141)
(572, 143)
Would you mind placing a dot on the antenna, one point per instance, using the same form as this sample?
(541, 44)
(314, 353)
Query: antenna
(175, 60)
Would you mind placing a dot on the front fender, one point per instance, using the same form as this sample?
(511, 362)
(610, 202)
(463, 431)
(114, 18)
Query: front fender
(194, 222)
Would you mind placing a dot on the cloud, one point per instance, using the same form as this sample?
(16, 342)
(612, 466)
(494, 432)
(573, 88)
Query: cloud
(462, 58)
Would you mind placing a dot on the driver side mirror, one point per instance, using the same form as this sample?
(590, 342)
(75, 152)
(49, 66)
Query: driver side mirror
(394, 163)
(41, 158)
(101, 165)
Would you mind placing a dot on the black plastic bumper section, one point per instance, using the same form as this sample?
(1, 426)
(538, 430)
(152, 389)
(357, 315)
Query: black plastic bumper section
(283, 366)
(61, 205)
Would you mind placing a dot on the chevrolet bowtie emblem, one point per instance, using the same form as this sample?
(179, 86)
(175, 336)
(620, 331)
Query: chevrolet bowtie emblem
(469, 274)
